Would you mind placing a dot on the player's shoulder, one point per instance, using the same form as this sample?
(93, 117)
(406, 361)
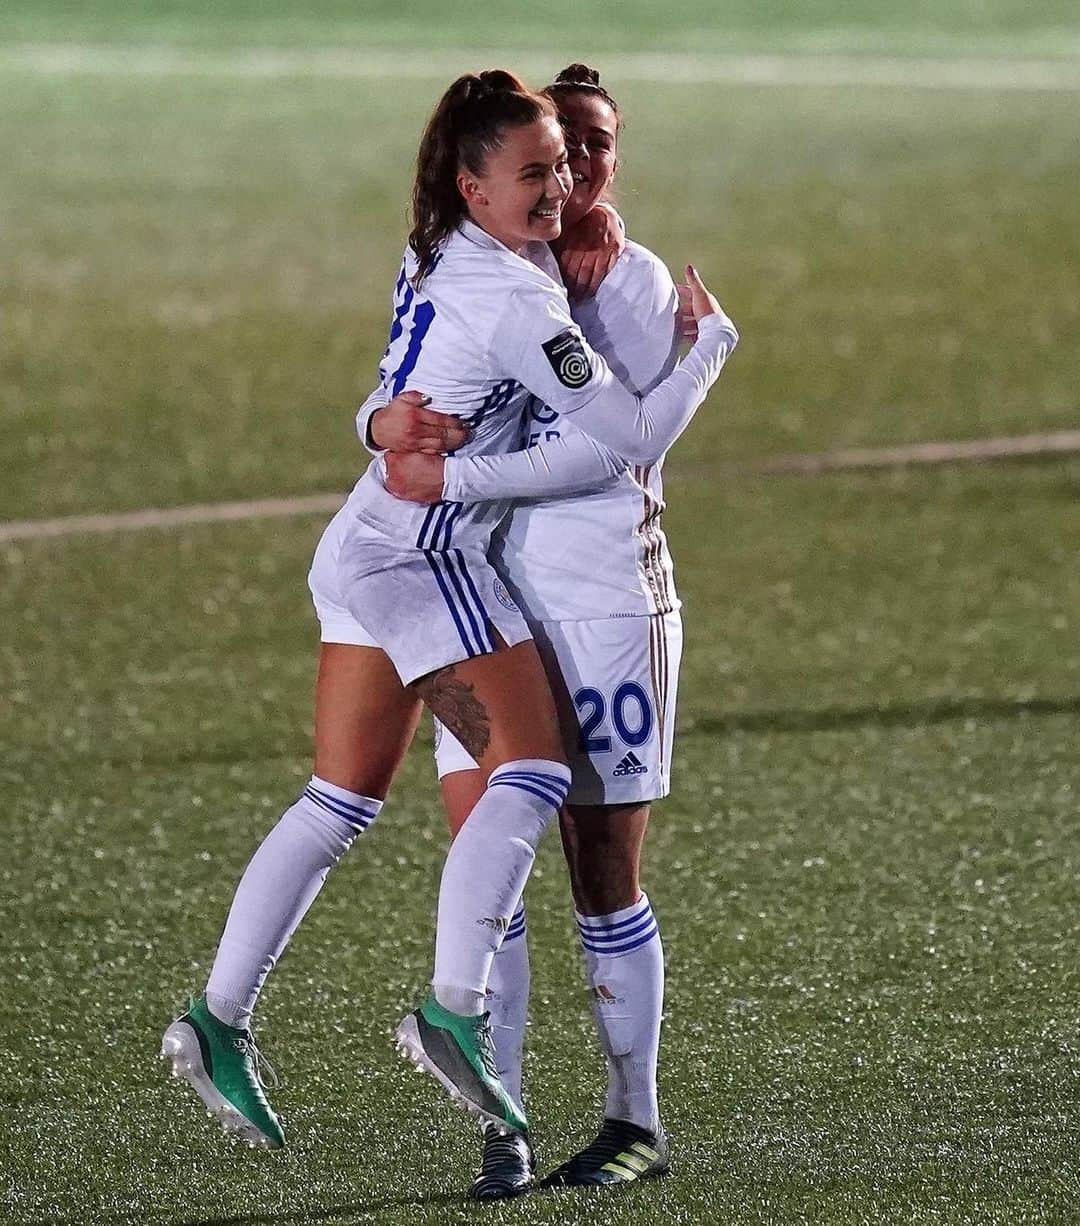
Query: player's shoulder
(639, 274)
(495, 287)
(470, 253)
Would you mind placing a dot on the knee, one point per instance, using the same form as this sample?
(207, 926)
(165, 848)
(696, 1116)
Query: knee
(603, 873)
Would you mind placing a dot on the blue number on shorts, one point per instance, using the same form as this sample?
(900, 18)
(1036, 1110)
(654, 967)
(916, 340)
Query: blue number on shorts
(588, 697)
(631, 735)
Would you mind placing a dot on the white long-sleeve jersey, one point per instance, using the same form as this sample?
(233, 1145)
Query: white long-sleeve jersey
(488, 332)
(585, 539)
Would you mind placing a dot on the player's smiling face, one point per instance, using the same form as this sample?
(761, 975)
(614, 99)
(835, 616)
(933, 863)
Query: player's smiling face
(592, 140)
(520, 196)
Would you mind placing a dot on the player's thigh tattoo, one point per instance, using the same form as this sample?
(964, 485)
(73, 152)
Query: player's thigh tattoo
(454, 703)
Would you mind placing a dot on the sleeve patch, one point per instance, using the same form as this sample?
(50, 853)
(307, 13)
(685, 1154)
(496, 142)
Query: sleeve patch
(568, 359)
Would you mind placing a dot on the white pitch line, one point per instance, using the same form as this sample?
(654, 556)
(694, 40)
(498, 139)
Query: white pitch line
(1064, 442)
(170, 517)
(658, 68)
(918, 454)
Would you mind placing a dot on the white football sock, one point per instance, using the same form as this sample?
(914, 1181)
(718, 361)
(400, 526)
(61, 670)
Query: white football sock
(279, 884)
(485, 872)
(624, 966)
(508, 1003)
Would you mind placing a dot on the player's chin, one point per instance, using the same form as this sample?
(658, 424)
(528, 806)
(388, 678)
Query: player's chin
(582, 198)
(545, 225)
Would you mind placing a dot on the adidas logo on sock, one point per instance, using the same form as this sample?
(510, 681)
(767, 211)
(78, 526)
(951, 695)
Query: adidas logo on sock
(630, 765)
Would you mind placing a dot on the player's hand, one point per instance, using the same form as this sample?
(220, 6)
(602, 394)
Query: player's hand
(414, 476)
(702, 303)
(407, 424)
(588, 250)
(686, 322)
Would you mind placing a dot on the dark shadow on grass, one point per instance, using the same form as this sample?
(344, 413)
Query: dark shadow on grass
(903, 715)
(331, 1213)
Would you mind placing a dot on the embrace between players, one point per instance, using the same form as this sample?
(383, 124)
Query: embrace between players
(502, 563)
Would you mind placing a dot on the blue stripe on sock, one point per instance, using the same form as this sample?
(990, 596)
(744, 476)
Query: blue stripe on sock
(598, 924)
(555, 795)
(625, 948)
(353, 816)
(525, 787)
(344, 806)
(600, 937)
(348, 805)
(551, 782)
(358, 823)
(559, 781)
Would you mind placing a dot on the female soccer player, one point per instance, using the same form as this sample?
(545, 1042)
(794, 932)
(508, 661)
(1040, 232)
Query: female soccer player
(604, 614)
(483, 329)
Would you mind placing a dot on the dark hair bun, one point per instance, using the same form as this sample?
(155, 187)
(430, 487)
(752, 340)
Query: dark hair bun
(498, 79)
(578, 74)
(474, 86)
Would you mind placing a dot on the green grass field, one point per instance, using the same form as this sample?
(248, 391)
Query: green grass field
(867, 876)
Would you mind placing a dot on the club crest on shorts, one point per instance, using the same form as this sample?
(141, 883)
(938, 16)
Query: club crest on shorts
(503, 596)
(567, 356)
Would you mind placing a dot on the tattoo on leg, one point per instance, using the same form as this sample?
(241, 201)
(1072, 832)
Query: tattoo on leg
(454, 703)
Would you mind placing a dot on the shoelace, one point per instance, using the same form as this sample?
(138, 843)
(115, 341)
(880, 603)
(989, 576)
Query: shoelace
(486, 1044)
(246, 1046)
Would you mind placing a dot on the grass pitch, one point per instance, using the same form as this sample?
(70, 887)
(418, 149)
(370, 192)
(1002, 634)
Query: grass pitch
(867, 875)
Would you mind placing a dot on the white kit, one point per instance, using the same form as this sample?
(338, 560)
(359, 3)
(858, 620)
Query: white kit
(488, 332)
(593, 571)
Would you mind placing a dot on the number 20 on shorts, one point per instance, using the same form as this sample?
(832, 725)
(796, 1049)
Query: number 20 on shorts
(631, 716)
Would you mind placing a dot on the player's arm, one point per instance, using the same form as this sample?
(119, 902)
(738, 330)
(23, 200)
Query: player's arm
(555, 469)
(376, 401)
(405, 423)
(590, 249)
(548, 354)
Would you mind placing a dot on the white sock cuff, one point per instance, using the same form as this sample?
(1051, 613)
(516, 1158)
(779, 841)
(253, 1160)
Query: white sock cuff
(517, 925)
(548, 781)
(621, 931)
(358, 811)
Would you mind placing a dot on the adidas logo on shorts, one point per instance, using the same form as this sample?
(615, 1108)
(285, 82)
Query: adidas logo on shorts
(630, 765)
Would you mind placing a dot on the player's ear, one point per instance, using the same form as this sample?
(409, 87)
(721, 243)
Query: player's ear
(470, 190)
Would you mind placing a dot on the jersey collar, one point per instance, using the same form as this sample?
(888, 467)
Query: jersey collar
(478, 235)
(537, 253)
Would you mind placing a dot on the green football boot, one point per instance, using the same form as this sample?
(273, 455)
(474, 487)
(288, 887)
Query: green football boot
(456, 1049)
(622, 1153)
(223, 1066)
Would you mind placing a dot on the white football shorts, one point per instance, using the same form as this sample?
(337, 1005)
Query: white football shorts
(425, 608)
(615, 683)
